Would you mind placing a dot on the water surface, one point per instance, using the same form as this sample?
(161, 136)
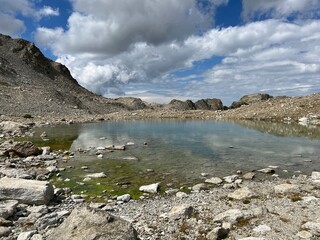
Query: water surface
(179, 151)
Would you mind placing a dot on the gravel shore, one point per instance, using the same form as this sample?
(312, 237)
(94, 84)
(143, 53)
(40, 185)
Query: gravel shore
(236, 207)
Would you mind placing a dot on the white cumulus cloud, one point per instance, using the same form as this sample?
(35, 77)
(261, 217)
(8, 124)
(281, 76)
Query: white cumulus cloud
(112, 27)
(281, 8)
(10, 21)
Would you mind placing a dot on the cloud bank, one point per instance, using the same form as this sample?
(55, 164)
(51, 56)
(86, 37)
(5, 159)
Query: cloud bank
(163, 49)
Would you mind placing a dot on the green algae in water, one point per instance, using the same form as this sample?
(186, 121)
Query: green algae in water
(121, 177)
(63, 143)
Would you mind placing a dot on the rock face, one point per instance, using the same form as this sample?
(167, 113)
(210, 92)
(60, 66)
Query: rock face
(209, 104)
(26, 191)
(90, 224)
(181, 105)
(203, 104)
(132, 103)
(251, 98)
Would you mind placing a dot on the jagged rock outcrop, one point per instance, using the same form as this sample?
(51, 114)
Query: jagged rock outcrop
(132, 103)
(209, 104)
(181, 105)
(251, 98)
(203, 104)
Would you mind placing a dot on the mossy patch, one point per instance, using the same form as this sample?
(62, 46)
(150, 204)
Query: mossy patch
(122, 177)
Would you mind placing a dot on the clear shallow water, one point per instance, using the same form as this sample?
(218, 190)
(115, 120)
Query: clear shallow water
(179, 151)
(200, 145)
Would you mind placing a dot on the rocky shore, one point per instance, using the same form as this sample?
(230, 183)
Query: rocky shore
(239, 206)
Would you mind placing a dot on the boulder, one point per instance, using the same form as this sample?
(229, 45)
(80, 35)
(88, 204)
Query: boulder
(124, 198)
(26, 191)
(234, 215)
(251, 98)
(209, 104)
(241, 193)
(286, 188)
(89, 224)
(230, 179)
(200, 187)
(181, 195)
(23, 149)
(152, 188)
(214, 180)
(181, 105)
(181, 211)
(231, 215)
(50, 219)
(249, 176)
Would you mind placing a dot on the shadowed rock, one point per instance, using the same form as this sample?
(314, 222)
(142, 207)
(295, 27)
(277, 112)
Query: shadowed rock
(93, 224)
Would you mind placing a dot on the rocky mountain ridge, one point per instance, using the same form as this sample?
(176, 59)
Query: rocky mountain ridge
(33, 84)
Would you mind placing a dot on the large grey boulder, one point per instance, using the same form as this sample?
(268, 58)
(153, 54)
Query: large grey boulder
(87, 223)
(26, 191)
(209, 104)
(23, 149)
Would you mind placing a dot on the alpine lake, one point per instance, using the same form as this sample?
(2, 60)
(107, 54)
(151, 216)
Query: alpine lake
(175, 153)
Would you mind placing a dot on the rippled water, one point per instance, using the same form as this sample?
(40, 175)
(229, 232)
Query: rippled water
(182, 150)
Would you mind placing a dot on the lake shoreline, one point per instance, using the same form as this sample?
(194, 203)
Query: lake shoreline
(237, 208)
(233, 207)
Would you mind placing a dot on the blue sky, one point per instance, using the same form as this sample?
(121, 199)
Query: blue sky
(158, 50)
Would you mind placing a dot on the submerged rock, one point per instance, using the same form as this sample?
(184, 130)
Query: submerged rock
(96, 175)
